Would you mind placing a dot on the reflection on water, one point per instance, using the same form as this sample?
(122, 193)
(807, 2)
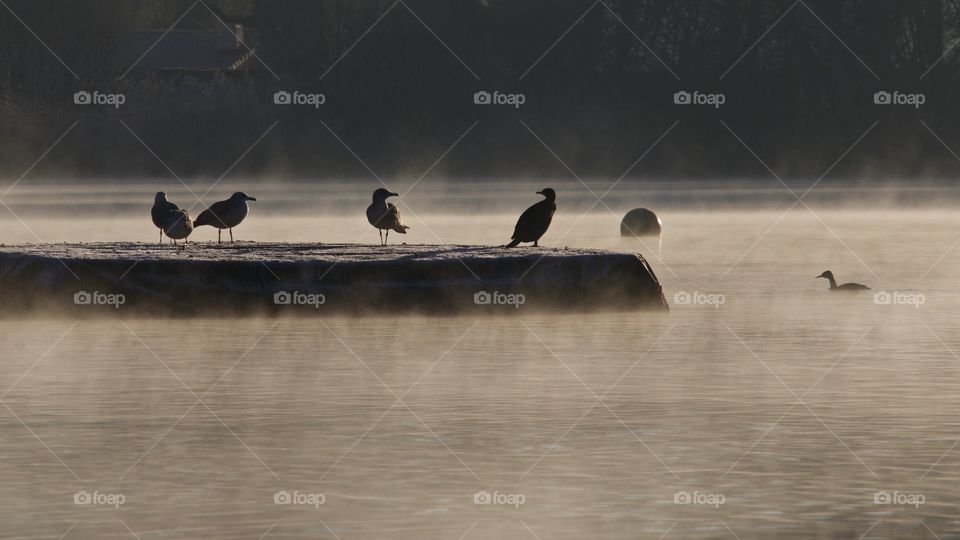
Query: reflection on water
(793, 406)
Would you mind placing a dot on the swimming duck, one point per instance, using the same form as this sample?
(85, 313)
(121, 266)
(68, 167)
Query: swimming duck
(385, 216)
(534, 221)
(845, 287)
(225, 214)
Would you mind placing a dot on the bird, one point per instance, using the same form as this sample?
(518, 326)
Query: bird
(384, 215)
(845, 287)
(177, 225)
(161, 207)
(225, 214)
(535, 221)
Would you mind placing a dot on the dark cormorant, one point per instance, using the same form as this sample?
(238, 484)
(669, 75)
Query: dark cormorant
(535, 221)
(385, 216)
(225, 214)
(845, 287)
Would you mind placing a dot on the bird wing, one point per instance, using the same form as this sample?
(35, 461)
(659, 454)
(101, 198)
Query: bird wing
(205, 218)
(853, 287)
(213, 215)
(393, 218)
(178, 225)
(173, 217)
(532, 222)
(160, 210)
(523, 221)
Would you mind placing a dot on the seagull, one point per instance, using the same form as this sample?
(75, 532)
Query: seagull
(161, 207)
(535, 220)
(384, 215)
(178, 225)
(845, 287)
(225, 214)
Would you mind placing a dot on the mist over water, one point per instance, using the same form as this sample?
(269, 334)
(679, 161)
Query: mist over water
(796, 405)
(777, 140)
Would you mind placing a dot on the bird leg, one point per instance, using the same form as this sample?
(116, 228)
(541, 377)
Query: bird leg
(161, 236)
(219, 233)
(388, 238)
(231, 235)
(535, 244)
(380, 232)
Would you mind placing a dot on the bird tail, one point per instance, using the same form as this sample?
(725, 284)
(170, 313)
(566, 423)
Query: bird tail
(514, 243)
(402, 229)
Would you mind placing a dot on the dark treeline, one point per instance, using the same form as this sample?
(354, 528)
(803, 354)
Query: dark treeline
(798, 92)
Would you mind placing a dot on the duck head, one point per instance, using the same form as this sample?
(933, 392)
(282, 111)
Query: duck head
(826, 275)
(160, 197)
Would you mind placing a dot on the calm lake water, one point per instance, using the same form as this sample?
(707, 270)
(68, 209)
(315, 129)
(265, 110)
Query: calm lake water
(776, 408)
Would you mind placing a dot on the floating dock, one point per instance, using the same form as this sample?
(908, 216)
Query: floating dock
(251, 278)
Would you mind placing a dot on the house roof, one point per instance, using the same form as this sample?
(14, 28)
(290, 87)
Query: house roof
(186, 50)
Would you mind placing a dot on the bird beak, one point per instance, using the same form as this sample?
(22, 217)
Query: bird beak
(392, 194)
(252, 199)
(539, 193)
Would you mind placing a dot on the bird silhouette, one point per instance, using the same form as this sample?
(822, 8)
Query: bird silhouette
(845, 287)
(225, 214)
(535, 221)
(385, 216)
(178, 225)
(161, 210)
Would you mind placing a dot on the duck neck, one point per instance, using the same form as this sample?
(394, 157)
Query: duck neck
(833, 282)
